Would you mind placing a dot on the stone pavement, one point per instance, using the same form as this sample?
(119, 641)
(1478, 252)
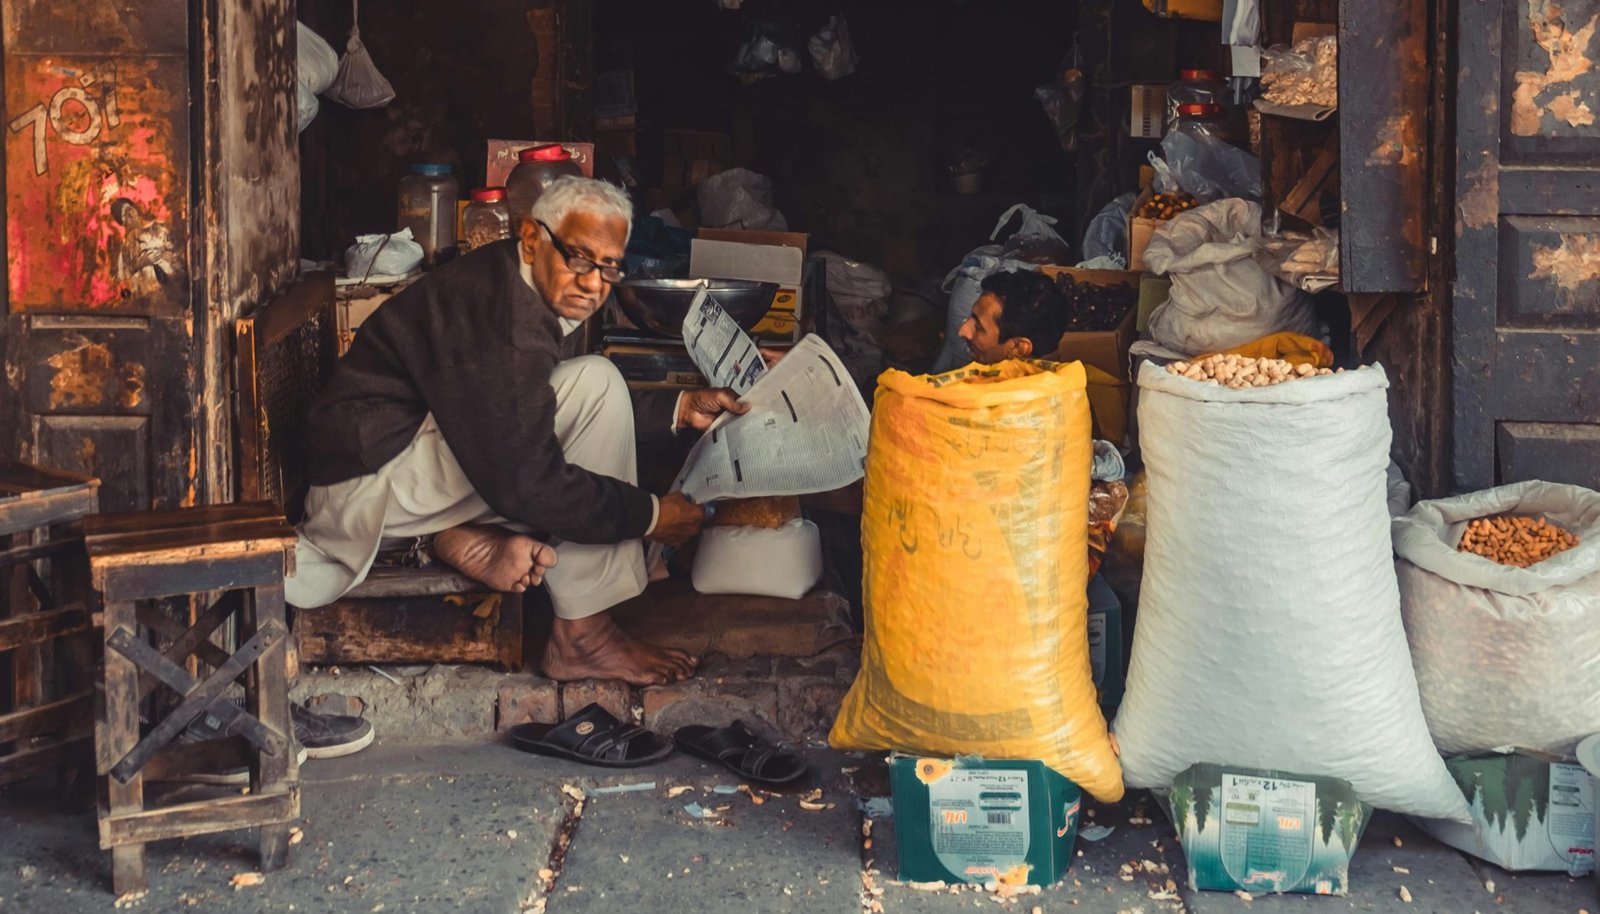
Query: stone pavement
(478, 827)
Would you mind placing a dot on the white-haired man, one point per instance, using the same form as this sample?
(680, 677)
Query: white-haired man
(464, 413)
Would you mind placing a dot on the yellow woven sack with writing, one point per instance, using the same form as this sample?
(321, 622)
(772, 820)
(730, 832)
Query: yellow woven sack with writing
(974, 535)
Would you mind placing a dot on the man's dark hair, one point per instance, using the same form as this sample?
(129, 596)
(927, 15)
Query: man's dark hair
(1034, 308)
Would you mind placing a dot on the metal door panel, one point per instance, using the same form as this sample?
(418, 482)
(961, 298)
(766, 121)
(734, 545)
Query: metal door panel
(1550, 451)
(88, 371)
(116, 449)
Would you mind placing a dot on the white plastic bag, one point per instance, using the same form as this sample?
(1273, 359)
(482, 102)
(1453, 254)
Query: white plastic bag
(1207, 167)
(741, 199)
(1035, 241)
(359, 84)
(1505, 656)
(1269, 630)
(1107, 232)
(832, 51)
(860, 294)
(1221, 296)
(784, 562)
(306, 106)
(316, 63)
(382, 255)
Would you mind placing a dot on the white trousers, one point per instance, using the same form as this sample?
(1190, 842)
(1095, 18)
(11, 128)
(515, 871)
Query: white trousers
(423, 491)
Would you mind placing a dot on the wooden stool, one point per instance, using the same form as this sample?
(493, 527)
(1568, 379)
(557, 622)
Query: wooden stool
(47, 702)
(246, 551)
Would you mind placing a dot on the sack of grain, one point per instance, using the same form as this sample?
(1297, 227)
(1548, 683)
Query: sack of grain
(1505, 656)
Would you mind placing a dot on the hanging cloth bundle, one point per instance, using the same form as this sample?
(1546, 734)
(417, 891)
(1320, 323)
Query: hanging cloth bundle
(359, 84)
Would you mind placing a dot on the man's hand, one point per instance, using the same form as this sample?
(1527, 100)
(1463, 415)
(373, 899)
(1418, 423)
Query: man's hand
(771, 356)
(697, 409)
(677, 520)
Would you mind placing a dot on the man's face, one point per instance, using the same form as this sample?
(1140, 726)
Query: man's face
(595, 238)
(982, 333)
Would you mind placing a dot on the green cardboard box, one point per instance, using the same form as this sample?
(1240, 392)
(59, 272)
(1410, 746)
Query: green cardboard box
(1266, 831)
(969, 819)
(1530, 811)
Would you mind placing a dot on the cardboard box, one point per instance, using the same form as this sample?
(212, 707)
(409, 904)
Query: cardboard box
(778, 257)
(1105, 642)
(1147, 112)
(1266, 831)
(973, 820)
(655, 367)
(1106, 350)
(1153, 292)
(1140, 230)
(503, 158)
(1529, 812)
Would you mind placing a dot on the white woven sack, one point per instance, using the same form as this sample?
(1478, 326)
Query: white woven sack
(1269, 630)
(783, 562)
(1505, 656)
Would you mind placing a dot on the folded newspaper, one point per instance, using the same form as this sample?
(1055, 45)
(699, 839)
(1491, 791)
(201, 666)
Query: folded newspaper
(806, 430)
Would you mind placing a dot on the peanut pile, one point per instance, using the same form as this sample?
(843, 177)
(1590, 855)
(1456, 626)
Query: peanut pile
(1239, 371)
(1520, 541)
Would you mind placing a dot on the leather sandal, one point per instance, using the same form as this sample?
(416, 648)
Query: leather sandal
(592, 736)
(744, 753)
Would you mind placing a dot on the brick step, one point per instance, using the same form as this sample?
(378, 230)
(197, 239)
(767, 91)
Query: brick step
(791, 698)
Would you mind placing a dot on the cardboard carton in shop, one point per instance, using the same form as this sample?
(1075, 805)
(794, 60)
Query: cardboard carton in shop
(1258, 831)
(1106, 350)
(976, 820)
(1530, 811)
(778, 257)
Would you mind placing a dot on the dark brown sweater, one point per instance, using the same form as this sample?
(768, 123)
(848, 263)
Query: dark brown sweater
(474, 345)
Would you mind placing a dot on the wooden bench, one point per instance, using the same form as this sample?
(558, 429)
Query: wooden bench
(286, 351)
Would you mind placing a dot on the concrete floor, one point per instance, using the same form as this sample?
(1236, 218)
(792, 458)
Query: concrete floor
(477, 827)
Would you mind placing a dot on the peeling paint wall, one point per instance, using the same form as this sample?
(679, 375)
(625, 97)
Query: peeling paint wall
(1556, 84)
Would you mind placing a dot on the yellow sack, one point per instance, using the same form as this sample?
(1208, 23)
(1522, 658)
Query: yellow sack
(1294, 348)
(975, 538)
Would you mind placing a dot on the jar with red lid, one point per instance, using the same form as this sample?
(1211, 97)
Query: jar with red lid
(487, 219)
(1194, 87)
(537, 168)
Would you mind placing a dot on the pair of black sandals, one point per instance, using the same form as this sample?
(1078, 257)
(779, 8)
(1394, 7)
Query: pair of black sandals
(593, 736)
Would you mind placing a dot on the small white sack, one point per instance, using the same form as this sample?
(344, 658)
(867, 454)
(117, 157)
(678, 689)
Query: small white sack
(359, 84)
(1505, 656)
(1269, 628)
(783, 562)
(1221, 297)
(382, 255)
(306, 106)
(316, 63)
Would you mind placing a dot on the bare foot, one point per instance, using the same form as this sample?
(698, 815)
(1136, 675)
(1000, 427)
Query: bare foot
(498, 558)
(595, 648)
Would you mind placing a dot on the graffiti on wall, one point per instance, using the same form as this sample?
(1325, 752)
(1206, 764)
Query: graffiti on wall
(96, 184)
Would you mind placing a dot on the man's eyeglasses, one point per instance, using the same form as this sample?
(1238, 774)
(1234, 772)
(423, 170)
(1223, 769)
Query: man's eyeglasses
(579, 264)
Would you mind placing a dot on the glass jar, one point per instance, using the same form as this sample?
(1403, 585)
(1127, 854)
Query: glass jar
(487, 219)
(428, 195)
(537, 168)
(1194, 87)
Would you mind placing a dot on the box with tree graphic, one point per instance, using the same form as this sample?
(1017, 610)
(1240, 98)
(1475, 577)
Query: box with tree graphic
(1530, 811)
(1266, 831)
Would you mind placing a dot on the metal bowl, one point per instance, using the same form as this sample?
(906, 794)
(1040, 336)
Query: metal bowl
(660, 305)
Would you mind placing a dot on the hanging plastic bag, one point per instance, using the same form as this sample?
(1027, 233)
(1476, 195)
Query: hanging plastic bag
(1207, 167)
(359, 84)
(1107, 233)
(832, 51)
(1270, 633)
(316, 63)
(395, 254)
(1505, 656)
(975, 541)
(306, 106)
(1221, 296)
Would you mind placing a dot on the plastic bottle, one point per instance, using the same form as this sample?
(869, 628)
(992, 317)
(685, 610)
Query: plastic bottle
(1194, 87)
(537, 168)
(486, 220)
(428, 195)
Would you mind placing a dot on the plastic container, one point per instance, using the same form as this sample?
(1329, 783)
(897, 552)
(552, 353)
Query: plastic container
(537, 168)
(1589, 758)
(487, 219)
(1194, 87)
(428, 195)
